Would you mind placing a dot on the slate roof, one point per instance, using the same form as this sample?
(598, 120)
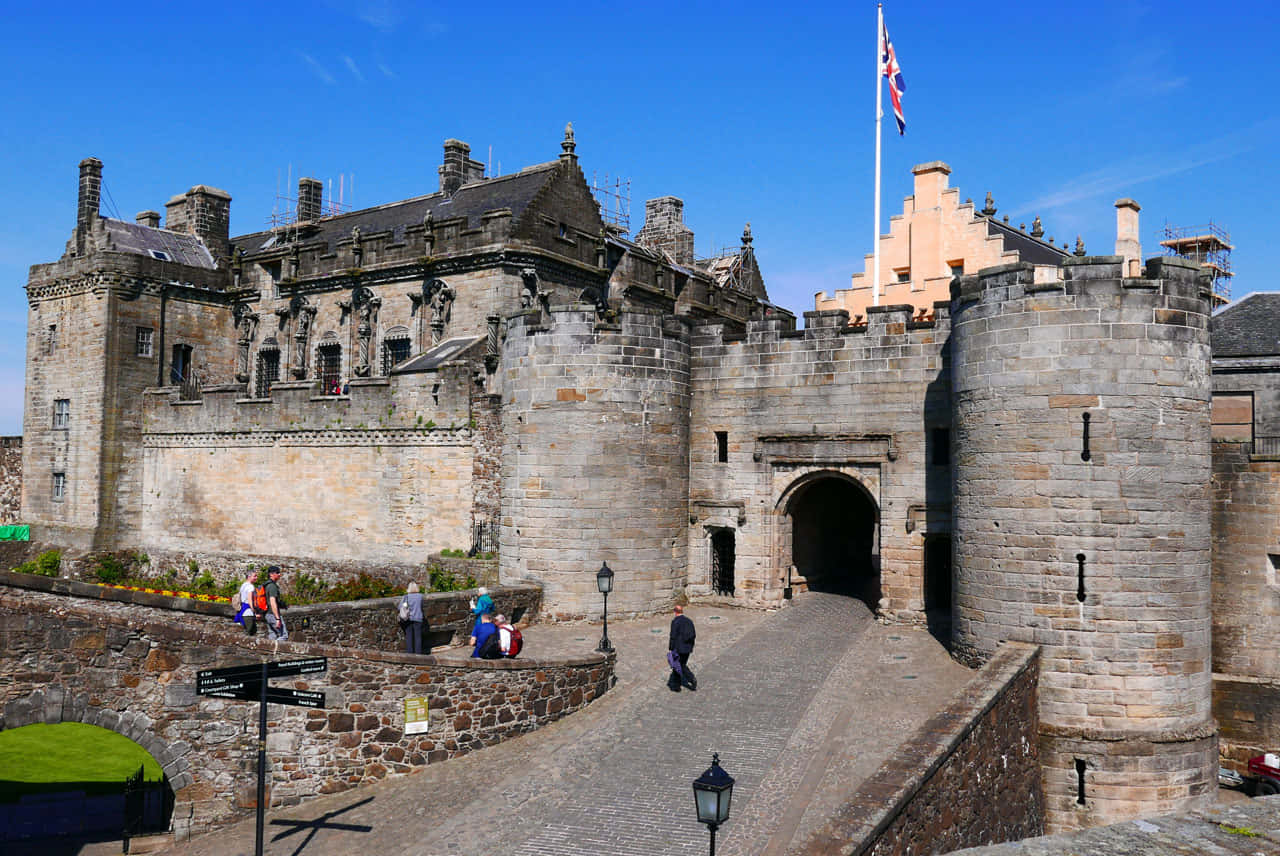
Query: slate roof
(157, 243)
(1250, 327)
(1030, 249)
(514, 191)
(449, 349)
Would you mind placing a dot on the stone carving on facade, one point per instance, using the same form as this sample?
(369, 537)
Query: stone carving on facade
(439, 296)
(302, 314)
(1037, 228)
(990, 208)
(357, 246)
(246, 326)
(1079, 246)
(429, 233)
(366, 305)
(295, 261)
(237, 266)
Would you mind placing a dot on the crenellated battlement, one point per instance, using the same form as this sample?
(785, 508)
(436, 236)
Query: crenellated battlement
(1180, 281)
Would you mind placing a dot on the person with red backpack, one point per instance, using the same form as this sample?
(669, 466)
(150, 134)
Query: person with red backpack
(509, 639)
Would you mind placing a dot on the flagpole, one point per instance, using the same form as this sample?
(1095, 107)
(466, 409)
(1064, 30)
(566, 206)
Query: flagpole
(875, 268)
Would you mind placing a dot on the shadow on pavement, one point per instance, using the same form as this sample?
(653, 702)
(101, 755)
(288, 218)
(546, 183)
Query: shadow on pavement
(311, 827)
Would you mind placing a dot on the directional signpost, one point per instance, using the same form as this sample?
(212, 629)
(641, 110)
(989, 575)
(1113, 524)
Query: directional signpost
(246, 683)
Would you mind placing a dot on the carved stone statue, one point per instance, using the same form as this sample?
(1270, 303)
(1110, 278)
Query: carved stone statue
(246, 326)
(366, 305)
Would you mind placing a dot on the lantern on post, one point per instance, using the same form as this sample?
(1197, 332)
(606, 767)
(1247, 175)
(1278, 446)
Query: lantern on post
(604, 582)
(712, 792)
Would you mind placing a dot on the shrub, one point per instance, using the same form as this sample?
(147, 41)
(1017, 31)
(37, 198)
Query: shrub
(361, 587)
(49, 563)
(442, 580)
(308, 589)
(109, 569)
(193, 567)
(204, 583)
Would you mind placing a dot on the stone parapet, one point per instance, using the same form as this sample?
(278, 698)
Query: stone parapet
(132, 669)
(970, 775)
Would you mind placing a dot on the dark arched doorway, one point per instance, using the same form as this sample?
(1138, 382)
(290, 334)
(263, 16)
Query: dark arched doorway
(833, 538)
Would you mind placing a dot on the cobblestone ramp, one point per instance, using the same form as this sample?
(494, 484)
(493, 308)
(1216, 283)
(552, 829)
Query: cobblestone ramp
(636, 796)
(802, 706)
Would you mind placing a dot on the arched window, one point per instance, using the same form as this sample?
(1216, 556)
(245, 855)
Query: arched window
(396, 348)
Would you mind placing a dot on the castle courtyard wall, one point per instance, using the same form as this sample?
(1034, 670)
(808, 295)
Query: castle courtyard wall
(383, 474)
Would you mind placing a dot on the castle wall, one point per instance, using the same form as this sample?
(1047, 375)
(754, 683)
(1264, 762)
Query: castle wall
(114, 660)
(860, 403)
(1246, 601)
(10, 480)
(383, 474)
(1125, 679)
(595, 458)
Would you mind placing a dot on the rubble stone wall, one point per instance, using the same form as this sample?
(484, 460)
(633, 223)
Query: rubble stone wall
(132, 669)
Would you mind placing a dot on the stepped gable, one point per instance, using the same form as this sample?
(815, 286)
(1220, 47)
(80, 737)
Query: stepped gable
(516, 191)
(1248, 327)
(156, 243)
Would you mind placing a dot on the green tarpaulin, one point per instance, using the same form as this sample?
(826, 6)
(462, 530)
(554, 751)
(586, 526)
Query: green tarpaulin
(15, 533)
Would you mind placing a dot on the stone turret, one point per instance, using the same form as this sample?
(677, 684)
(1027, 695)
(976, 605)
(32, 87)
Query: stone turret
(1082, 520)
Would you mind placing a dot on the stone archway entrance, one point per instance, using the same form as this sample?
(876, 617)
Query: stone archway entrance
(834, 537)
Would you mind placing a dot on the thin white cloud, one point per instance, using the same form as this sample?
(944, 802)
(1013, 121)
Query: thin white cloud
(379, 14)
(316, 68)
(353, 68)
(1139, 170)
(387, 72)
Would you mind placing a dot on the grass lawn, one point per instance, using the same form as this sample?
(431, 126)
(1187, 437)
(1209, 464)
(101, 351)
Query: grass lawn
(68, 756)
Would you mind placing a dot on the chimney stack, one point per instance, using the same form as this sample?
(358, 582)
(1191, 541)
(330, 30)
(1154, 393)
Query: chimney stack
(1127, 242)
(458, 168)
(205, 212)
(664, 229)
(150, 219)
(89, 203)
(310, 198)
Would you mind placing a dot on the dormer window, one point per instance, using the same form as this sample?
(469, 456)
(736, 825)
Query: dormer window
(161, 255)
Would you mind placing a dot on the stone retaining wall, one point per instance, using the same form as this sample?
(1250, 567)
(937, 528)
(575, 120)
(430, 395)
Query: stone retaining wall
(131, 667)
(969, 776)
(10, 479)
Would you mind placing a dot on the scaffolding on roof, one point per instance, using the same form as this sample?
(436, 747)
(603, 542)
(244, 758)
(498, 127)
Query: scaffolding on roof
(1207, 244)
(614, 199)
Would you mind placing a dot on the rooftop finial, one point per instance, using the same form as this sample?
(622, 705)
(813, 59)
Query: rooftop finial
(746, 235)
(568, 145)
(1079, 246)
(1037, 229)
(990, 208)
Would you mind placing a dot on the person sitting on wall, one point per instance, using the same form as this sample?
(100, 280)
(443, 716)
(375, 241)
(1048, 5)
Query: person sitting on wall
(486, 639)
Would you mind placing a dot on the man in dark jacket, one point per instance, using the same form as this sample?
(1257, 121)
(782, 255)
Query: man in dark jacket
(681, 644)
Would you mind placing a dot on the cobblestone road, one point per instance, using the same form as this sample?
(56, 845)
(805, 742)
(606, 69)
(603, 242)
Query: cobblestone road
(801, 704)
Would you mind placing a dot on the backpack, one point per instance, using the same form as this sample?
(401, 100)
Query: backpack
(491, 649)
(260, 599)
(235, 602)
(404, 610)
(517, 642)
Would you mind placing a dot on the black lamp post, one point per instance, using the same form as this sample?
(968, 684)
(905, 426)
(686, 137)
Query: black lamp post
(604, 582)
(712, 792)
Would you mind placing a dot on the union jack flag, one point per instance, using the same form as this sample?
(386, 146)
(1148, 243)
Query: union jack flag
(892, 71)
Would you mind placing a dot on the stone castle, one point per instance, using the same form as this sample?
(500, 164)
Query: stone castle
(492, 366)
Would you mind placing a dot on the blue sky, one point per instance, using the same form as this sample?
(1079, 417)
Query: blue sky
(759, 112)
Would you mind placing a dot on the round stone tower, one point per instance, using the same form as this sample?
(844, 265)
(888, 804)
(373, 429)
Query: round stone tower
(1082, 510)
(595, 458)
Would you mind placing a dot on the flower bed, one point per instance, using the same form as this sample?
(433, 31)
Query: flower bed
(207, 598)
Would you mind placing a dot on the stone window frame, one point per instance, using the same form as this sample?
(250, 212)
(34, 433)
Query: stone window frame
(956, 266)
(395, 335)
(144, 342)
(1273, 570)
(58, 491)
(262, 383)
(51, 338)
(61, 413)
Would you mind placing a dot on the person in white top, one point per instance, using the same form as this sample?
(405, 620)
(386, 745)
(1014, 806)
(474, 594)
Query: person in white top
(504, 635)
(245, 615)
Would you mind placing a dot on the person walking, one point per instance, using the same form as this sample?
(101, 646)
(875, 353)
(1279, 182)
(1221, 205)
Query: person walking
(680, 644)
(245, 614)
(276, 628)
(411, 609)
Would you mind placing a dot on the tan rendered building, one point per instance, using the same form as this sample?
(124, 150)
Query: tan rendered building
(935, 238)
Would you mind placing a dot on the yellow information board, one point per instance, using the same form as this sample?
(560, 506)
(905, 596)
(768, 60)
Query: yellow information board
(415, 716)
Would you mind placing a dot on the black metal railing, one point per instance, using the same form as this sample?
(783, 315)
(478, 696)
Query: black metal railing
(484, 537)
(189, 389)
